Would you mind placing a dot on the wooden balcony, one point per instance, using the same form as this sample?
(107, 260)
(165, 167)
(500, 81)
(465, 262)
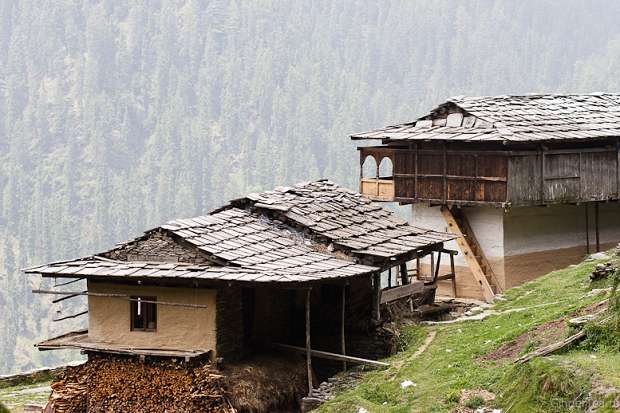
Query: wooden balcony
(378, 189)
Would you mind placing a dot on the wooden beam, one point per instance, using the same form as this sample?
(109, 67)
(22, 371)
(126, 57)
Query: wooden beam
(71, 316)
(596, 227)
(343, 343)
(68, 282)
(67, 297)
(400, 292)
(437, 266)
(120, 296)
(618, 168)
(587, 228)
(404, 279)
(487, 291)
(308, 349)
(333, 356)
(376, 308)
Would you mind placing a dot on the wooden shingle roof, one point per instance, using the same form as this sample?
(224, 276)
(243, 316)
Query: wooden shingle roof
(345, 218)
(512, 119)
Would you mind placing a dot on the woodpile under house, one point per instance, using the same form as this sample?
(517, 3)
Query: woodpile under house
(529, 184)
(244, 309)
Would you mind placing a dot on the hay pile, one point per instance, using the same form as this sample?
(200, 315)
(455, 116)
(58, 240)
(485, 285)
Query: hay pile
(267, 383)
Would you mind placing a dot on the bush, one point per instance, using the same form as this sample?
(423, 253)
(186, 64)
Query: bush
(474, 402)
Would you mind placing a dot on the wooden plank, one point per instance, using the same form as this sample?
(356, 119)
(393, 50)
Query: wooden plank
(487, 291)
(402, 291)
(333, 356)
(121, 296)
(71, 316)
(376, 310)
(308, 348)
(343, 344)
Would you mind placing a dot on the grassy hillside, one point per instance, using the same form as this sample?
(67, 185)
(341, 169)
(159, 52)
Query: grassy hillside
(479, 355)
(16, 397)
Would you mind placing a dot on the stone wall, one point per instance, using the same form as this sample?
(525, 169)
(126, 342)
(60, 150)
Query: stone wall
(157, 246)
(230, 323)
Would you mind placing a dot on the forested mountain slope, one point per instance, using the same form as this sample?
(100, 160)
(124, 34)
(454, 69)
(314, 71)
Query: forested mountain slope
(116, 116)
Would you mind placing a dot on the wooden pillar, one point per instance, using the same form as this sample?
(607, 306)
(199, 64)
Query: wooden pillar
(343, 343)
(596, 228)
(587, 229)
(415, 184)
(453, 274)
(404, 277)
(390, 277)
(308, 349)
(436, 274)
(376, 307)
(432, 264)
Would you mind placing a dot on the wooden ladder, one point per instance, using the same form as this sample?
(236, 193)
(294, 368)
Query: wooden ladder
(472, 252)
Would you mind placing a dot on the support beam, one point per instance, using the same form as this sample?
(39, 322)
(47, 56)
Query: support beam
(474, 266)
(404, 279)
(70, 316)
(376, 308)
(596, 227)
(332, 356)
(308, 349)
(343, 343)
(587, 229)
(120, 296)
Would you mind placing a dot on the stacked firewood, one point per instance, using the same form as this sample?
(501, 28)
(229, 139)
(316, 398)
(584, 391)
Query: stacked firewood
(118, 384)
(68, 393)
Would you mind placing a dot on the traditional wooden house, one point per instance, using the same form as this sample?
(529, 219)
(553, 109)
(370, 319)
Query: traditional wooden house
(529, 181)
(297, 268)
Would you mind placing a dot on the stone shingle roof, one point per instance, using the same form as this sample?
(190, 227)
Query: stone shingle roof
(345, 218)
(248, 245)
(103, 268)
(250, 241)
(512, 119)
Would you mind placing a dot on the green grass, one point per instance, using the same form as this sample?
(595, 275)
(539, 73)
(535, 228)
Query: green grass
(14, 398)
(452, 362)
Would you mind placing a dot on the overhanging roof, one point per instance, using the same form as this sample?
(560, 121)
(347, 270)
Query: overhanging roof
(324, 267)
(511, 119)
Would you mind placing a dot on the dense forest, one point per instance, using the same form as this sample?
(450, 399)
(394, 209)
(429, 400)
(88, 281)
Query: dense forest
(116, 116)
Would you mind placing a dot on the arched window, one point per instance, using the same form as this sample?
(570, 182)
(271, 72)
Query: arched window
(386, 168)
(369, 168)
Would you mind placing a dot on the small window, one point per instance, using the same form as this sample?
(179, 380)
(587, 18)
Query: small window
(143, 314)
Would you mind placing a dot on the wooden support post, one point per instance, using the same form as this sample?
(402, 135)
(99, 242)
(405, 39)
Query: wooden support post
(618, 168)
(587, 229)
(542, 175)
(445, 172)
(390, 277)
(343, 343)
(417, 268)
(474, 266)
(308, 348)
(415, 188)
(376, 308)
(432, 264)
(436, 274)
(404, 277)
(596, 228)
(453, 274)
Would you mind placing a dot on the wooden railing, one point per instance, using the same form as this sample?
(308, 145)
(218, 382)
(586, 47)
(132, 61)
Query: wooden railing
(378, 189)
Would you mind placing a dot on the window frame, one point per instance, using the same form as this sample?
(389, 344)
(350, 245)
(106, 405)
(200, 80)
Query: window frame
(150, 312)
